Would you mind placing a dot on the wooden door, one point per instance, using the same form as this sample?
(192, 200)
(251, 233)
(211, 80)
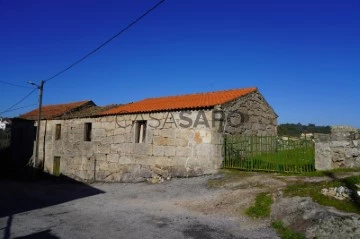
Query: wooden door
(56, 167)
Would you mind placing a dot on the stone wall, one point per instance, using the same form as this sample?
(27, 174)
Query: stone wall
(340, 149)
(258, 116)
(112, 154)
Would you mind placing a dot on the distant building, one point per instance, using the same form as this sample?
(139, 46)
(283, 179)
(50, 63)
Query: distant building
(176, 136)
(3, 124)
(307, 135)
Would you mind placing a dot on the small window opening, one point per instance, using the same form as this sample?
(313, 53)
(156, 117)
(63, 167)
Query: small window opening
(140, 131)
(58, 132)
(87, 132)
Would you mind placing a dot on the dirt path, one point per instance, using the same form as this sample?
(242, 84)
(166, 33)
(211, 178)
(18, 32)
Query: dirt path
(121, 211)
(238, 193)
(201, 207)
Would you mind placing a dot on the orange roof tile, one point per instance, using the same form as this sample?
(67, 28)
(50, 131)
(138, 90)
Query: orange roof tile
(181, 102)
(53, 111)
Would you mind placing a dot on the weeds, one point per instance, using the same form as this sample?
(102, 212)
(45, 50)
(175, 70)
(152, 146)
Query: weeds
(313, 190)
(285, 232)
(262, 205)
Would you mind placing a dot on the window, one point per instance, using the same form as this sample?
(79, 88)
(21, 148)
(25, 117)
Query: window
(140, 131)
(58, 132)
(87, 132)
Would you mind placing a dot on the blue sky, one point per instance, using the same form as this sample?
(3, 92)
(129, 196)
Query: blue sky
(304, 56)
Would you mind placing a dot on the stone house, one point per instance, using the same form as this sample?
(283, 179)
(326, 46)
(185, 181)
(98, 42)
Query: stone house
(175, 136)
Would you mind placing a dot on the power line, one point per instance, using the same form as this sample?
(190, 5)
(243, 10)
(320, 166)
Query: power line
(8, 83)
(22, 107)
(106, 42)
(17, 103)
(82, 58)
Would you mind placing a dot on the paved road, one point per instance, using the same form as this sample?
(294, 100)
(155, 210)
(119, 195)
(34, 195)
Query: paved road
(67, 210)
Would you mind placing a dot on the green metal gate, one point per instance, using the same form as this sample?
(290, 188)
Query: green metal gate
(269, 153)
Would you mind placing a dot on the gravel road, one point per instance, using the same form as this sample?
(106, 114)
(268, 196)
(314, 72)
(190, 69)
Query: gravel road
(68, 210)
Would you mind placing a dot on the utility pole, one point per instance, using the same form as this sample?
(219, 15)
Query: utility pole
(41, 88)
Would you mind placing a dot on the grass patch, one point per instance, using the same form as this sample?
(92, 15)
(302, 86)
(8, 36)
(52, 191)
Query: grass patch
(262, 205)
(269, 154)
(298, 156)
(285, 232)
(313, 190)
(321, 173)
(292, 160)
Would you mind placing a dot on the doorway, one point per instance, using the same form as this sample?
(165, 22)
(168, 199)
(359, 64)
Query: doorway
(56, 166)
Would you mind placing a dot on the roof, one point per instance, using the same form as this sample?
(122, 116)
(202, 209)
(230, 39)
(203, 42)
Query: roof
(181, 102)
(87, 112)
(54, 111)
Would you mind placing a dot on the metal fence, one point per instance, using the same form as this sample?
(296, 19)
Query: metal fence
(269, 153)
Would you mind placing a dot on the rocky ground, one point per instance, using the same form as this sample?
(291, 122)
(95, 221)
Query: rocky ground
(201, 207)
(314, 220)
(299, 213)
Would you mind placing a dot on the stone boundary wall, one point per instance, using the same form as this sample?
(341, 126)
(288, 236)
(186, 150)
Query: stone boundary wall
(340, 149)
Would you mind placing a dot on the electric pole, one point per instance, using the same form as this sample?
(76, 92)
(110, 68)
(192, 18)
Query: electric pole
(41, 88)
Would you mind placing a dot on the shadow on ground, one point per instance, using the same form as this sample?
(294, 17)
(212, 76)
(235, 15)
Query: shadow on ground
(25, 190)
(39, 235)
(21, 194)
